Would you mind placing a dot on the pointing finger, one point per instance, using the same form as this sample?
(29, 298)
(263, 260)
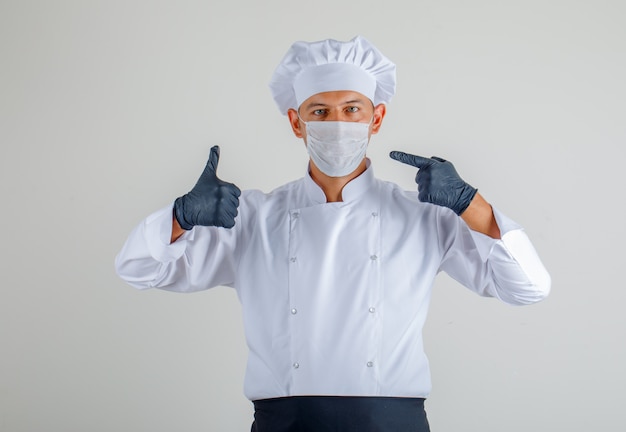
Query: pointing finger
(409, 159)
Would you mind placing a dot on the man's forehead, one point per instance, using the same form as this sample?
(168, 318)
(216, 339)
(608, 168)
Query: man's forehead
(340, 97)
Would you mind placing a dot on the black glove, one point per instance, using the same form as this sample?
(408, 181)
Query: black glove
(438, 182)
(211, 202)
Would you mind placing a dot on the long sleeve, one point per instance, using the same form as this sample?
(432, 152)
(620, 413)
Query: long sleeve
(202, 258)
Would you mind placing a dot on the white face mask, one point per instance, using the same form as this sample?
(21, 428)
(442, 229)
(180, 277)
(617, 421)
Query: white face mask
(337, 148)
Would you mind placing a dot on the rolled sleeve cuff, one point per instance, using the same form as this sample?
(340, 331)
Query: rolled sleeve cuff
(158, 233)
(515, 246)
(485, 244)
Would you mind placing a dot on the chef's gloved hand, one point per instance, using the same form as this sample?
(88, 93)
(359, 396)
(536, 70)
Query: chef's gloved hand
(438, 182)
(211, 202)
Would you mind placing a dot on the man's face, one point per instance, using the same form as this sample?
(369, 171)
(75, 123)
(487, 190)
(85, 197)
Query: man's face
(341, 105)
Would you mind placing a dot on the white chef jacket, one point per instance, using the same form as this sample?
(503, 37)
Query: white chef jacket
(335, 295)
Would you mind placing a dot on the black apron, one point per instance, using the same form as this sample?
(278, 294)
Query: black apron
(340, 414)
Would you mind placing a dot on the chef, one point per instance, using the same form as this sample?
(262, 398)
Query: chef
(335, 270)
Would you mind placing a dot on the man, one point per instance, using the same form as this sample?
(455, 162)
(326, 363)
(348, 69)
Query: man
(334, 271)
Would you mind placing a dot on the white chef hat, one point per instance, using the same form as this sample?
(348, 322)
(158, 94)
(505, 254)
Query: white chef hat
(309, 68)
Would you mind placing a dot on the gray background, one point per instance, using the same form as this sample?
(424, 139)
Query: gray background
(108, 110)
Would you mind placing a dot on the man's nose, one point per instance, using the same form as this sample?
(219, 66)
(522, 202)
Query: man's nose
(336, 115)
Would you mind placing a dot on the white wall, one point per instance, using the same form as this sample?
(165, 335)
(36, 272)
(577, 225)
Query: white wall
(108, 110)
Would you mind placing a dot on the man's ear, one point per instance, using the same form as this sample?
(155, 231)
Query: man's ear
(379, 114)
(294, 121)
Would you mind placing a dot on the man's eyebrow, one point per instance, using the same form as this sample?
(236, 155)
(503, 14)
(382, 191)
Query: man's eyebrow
(354, 101)
(315, 104)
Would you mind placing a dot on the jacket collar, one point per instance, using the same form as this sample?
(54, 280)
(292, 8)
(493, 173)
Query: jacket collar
(355, 188)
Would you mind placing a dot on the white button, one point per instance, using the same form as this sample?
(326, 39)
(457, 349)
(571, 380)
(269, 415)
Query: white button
(374, 214)
(292, 259)
(294, 311)
(370, 364)
(296, 215)
(373, 257)
(296, 365)
(372, 309)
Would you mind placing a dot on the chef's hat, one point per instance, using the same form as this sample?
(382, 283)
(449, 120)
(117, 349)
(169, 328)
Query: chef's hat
(309, 68)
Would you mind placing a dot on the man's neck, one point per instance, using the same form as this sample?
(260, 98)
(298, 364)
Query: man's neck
(333, 186)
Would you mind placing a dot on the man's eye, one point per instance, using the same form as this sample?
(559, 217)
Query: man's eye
(353, 109)
(319, 112)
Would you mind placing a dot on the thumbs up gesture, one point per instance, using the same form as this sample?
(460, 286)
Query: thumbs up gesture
(211, 202)
(438, 182)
